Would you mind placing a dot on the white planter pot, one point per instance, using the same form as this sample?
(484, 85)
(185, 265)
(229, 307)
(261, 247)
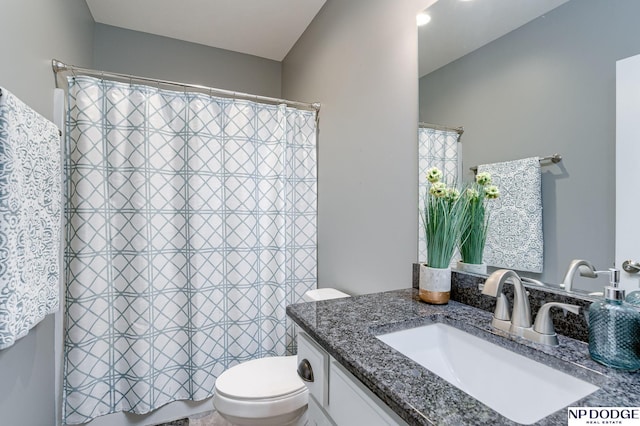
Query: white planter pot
(434, 284)
(472, 268)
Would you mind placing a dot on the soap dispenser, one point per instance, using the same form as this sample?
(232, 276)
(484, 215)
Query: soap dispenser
(632, 267)
(614, 328)
(633, 298)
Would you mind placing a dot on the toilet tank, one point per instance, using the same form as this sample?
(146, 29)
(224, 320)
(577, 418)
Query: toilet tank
(323, 294)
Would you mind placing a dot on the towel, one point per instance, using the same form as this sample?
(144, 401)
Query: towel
(514, 237)
(30, 218)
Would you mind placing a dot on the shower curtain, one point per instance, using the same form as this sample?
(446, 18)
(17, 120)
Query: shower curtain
(441, 149)
(190, 225)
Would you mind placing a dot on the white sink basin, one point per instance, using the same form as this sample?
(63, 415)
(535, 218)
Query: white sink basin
(515, 386)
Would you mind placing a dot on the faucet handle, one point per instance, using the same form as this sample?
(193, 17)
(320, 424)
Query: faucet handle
(588, 271)
(544, 324)
(502, 308)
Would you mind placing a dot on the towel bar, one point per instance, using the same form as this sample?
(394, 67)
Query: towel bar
(555, 158)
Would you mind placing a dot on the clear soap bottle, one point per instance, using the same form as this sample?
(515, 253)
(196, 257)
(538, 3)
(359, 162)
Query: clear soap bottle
(614, 328)
(633, 298)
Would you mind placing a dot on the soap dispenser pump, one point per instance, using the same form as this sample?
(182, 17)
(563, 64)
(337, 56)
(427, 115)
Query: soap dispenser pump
(614, 328)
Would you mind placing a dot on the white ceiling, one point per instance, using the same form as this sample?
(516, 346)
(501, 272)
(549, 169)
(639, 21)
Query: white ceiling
(459, 27)
(265, 28)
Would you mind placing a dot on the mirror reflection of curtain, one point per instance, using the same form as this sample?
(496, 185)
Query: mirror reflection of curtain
(436, 148)
(191, 225)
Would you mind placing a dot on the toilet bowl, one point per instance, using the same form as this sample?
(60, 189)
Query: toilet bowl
(266, 391)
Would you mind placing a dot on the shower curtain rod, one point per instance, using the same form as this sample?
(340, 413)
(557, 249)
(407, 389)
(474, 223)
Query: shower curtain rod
(458, 130)
(59, 66)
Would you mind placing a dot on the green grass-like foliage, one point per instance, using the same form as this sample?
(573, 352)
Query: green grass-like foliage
(474, 234)
(444, 218)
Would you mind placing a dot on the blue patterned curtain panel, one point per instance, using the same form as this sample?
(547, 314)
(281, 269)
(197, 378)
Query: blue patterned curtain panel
(30, 218)
(191, 224)
(436, 148)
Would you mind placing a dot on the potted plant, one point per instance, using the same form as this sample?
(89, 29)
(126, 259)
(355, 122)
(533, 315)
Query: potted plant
(443, 218)
(474, 234)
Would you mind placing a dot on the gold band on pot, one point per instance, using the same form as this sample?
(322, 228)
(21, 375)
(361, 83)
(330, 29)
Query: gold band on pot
(434, 297)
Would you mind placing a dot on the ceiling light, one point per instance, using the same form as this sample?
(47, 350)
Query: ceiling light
(423, 19)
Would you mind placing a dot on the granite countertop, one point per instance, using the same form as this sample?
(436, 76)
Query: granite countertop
(346, 329)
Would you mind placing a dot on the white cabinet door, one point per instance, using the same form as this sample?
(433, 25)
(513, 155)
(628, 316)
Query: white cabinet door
(336, 397)
(628, 167)
(318, 359)
(317, 416)
(350, 403)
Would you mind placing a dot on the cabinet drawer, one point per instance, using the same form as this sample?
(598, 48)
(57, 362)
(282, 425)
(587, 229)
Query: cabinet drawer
(351, 403)
(319, 361)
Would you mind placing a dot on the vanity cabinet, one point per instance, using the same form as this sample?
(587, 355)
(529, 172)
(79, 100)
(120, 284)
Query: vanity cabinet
(336, 397)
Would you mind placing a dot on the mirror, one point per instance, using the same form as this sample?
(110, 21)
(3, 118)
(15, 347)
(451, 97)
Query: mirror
(534, 78)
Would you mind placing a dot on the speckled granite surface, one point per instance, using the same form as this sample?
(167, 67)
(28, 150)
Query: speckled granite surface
(346, 329)
(180, 422)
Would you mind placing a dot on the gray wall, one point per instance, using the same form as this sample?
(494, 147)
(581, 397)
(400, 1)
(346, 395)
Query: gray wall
(61, 29)
(64, 29)
(148, 55)
(358, 58)
(548, 87)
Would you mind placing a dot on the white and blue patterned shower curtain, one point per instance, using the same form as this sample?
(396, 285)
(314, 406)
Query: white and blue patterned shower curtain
(441, 149)
(191, 224)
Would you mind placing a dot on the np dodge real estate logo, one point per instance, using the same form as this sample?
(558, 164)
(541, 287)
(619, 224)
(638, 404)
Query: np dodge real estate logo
(625, 416)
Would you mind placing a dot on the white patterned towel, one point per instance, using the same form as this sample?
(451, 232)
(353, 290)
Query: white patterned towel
(30, 216)
(514, 238)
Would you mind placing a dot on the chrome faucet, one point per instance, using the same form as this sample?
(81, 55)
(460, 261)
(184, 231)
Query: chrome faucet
(584, 267)
(519, 323)
(543, 331)
(521, 315)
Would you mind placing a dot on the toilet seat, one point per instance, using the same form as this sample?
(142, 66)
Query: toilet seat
(260, 388)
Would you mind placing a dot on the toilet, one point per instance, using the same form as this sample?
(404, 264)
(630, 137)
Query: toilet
(267, 391)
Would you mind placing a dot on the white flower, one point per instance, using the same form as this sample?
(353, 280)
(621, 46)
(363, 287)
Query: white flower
(438, 189)
(453, 194)
(434, 175)
(483, 178)
(472, 194)
(492, 192)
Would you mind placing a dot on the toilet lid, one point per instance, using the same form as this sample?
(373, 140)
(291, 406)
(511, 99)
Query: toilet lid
(262, 378)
